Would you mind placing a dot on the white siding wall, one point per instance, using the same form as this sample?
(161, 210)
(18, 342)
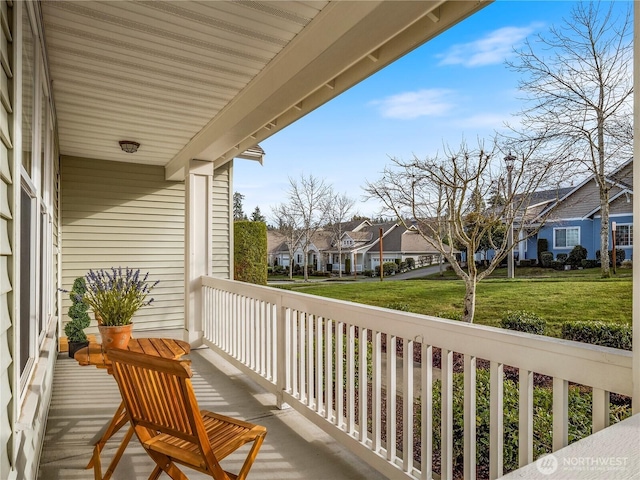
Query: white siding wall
(222, 212)
(7, 227)
(120, 214)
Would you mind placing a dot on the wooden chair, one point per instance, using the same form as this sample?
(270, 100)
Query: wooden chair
(163, 411)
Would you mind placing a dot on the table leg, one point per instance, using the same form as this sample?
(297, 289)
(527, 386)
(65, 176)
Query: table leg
(117, 422)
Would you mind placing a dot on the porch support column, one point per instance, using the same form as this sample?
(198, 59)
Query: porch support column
(198, 240)
(636, 210)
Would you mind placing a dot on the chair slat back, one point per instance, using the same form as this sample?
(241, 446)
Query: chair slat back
(157, 393)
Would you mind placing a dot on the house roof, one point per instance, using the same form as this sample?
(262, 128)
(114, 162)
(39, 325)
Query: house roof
(209, 80)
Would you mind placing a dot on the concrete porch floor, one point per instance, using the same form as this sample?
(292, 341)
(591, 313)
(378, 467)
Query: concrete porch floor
(85, 398)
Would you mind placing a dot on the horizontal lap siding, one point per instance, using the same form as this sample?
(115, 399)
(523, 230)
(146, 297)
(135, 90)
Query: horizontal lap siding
(120, 214)
(7, 380)
(221, 222)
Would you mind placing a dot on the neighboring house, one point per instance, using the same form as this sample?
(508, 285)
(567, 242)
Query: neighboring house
(574, 219)
(361, 246)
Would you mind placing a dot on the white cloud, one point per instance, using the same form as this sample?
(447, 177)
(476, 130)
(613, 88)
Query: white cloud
(421, 103)
(491, 49)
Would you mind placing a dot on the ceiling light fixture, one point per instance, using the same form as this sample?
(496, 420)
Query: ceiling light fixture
(129, 146)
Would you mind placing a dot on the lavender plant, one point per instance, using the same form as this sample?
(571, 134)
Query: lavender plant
(115, 295)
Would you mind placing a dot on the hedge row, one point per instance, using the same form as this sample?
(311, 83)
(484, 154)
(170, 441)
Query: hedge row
(612, 335)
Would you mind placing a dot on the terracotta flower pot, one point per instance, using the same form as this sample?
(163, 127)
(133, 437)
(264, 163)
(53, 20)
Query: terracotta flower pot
(115, 336)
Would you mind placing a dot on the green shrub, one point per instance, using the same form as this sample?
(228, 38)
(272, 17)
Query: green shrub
(524, 321)
(543, 246)
(527, 262)
(562, 257)
(586, 263)
(450, 315)
(620, 256)
(404, 307)
(599, 333)
(557, 265)
(579, 419)
(411, 263)
(250, 252)
(577, 254)
(74, 329)
(546, 258)
(347, 266)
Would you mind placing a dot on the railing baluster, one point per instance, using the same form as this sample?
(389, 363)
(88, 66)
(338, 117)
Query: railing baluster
(560, 413)
(302, 354)
(525, 416)
(426, 412)
(446, 415)
(320, 373)
(391, 397)
(496, 430)
(295, 354)
(328, 360)
(600, 410)
(407, 406)
(339, 420)
(310, 362)
(351, 376)
(363, 384)
(376, 393)
(469, 417)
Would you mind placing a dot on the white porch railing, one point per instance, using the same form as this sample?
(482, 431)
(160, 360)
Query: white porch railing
(307, 351)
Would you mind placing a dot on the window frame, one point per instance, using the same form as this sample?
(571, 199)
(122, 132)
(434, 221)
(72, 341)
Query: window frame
(566, 247)
(630, 235)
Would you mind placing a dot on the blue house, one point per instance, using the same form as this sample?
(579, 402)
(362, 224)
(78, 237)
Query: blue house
(573, 217)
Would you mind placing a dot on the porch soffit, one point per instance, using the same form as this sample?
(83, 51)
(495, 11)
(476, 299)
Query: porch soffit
(208, 80)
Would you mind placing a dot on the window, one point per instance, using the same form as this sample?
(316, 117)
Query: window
(624, 235)
(566, 237)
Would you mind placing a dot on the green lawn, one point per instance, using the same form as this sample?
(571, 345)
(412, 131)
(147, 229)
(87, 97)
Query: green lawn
(555, 296)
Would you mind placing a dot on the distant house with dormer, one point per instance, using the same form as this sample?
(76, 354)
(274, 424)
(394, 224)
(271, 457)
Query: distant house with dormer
(574, 217)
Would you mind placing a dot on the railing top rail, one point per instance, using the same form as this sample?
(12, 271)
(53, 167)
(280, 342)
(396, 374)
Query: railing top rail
(600, 367)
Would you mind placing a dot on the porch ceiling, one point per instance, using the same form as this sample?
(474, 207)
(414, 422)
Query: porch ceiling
(210, 79)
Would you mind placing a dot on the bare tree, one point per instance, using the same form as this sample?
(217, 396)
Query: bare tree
(338, 208)
(445, 198)
(578, 85)
(288, 225)
(307, 201)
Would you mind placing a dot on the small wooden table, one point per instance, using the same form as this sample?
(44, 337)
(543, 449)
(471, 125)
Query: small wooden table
(95, 355)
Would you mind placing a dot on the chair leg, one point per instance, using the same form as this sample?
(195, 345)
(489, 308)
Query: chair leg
(95, 461)
(117, 422)
(118, 455)
(248, 463)
(155, 474)
(165, 463)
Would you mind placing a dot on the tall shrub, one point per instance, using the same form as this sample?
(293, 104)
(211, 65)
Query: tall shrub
(543, 246)
(250, 252)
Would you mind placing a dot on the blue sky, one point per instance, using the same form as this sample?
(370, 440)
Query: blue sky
(455, 86)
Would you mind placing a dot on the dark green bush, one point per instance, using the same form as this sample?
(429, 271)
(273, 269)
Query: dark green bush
(579, 419)
(527, 262)
(562, 257)
(388, 268)
(347, 266)
(546, 258)
(543, 246)
(599, 333)
(250, 252)
(74, 329)
(411, 263)
(577, 254)
(586, 263)
(556, 265)
(524, 321)
(620, 256)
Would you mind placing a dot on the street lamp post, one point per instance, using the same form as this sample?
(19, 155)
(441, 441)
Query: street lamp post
(509, 161)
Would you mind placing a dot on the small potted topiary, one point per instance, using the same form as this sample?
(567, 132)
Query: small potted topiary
(74, 330)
